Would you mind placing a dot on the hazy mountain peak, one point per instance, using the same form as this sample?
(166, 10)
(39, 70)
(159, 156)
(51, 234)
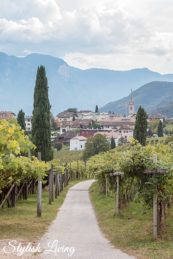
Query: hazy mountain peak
(68, 86)
(154, 97)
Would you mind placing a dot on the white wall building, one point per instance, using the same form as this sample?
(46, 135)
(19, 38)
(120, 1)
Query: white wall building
(89, 115)
(64, 129)
(78, 143)
(86, 115)
(117, 134)
(54, 135)
(28, 123)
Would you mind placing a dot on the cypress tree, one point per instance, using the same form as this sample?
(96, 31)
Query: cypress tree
(96, 109)
(41, 121)
(113, 145)
(160, 129)
(21, 119)
(140, 131)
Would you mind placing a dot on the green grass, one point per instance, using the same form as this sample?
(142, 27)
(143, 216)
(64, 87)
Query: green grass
(131, 231)
(21, 222)
(66, 156)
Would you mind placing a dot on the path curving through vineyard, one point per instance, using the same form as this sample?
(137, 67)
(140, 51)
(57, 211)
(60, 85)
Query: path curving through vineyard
(76, 227)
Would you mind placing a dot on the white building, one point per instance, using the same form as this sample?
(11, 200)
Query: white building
(86, 115)
(89, 115)
(65, 116)
(78, 143)
(117, 134)
(64, 129)
(54, 135)
(28, 123)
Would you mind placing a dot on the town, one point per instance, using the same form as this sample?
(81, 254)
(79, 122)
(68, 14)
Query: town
(72, 128)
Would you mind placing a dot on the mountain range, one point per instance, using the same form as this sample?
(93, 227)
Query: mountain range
(68, 86)
(156, 97)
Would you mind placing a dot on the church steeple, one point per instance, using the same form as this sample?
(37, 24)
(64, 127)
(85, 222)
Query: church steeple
(131, 104)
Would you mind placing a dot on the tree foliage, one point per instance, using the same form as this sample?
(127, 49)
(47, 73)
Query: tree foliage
(140, 131)
(41, 128)
(113, 144)
(160, 129)
(95, 145)
(58, 146)
(15, 166)
(72, 110)
(21, 119)
(122, 141)
(133, 160)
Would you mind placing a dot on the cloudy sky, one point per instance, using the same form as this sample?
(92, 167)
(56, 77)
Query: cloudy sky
(116, 34)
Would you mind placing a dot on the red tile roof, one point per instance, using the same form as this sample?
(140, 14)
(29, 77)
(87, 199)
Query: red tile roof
(6, 115)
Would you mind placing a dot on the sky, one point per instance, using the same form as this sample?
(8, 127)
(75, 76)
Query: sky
(114, 34)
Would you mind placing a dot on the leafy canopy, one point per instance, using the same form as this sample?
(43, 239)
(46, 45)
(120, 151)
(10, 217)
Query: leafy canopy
(95, 145)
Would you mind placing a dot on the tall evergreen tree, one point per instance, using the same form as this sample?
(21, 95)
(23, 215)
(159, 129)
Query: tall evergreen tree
(160, 129)
(96, 109)
(41, 121)
(140, 131)
(21, 119)
(113, 145)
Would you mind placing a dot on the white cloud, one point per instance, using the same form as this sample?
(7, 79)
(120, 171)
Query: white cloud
(19, 9)
(90, 31)
(23, 30)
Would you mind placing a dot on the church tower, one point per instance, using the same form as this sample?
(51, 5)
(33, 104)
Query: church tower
(131, 105)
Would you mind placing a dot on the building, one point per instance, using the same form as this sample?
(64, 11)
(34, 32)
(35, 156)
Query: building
(78, 143)
(69, 116)
(54, 135)
(117, 122)
(65, 137)
(131, 105)
(74, 125)
(88, 133)
(124, 132)
(66, 116)
(28, 124)
(7, 115)
(86, 115)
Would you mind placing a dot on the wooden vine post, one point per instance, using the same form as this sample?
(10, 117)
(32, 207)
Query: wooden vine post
(106, 180)
(6, 196)
(71, 174)
(77, 173)
(117, 191)
(56, 185)
(155, 197)
(51, 185)
(39, 193)
(155, 208)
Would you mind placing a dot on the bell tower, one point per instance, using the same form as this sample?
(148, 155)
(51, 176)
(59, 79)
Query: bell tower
(131, 105)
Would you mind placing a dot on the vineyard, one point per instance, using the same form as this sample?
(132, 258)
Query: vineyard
(128, 173)
(140, 177)
(129, 168)
(20, 171)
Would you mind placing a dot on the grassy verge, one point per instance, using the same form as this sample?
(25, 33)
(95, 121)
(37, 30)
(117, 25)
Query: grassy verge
(131, 232)
(66, 156)
(21, 222)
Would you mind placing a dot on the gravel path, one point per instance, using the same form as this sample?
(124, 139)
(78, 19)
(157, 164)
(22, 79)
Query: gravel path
(76, 228)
